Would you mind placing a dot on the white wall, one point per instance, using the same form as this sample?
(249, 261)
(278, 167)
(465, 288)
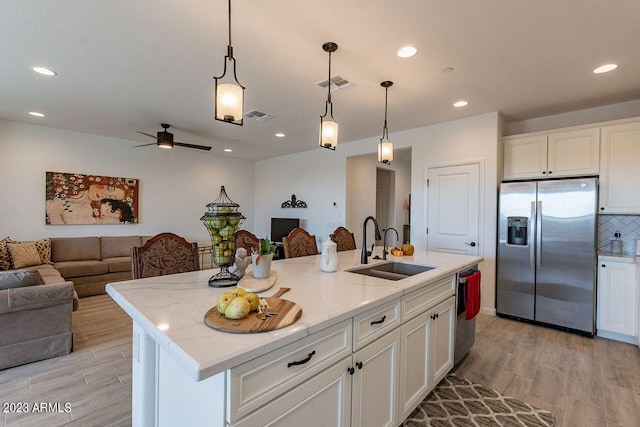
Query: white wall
(175, 185)
(319, 177)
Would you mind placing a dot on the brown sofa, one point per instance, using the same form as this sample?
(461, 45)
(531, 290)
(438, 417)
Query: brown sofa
(92, 262)
(35, 316)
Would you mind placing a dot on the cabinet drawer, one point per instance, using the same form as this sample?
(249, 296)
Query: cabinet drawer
(420, 300)
(374, 323)
(260, 380)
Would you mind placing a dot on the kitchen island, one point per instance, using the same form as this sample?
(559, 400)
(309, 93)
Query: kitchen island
(186, 373)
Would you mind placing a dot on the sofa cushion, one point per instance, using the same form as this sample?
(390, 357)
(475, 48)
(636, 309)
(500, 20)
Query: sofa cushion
(117, 246)
(75, 249)
(69, 269)
(24, 254)
(121, 263)
(5, 255)
(44, 249)
(19, 279)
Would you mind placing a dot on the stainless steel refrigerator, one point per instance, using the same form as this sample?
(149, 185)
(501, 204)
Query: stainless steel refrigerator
(547, 252)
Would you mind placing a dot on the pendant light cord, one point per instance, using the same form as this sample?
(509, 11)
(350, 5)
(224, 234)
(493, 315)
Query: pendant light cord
(385, 131)
(229, 47)
(329, 87)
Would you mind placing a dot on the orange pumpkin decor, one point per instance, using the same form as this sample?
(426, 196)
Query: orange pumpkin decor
(396, 252)
(408, 249)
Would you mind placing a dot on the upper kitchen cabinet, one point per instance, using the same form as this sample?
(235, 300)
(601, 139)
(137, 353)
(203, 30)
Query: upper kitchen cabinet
(620, 174)
(549, 155)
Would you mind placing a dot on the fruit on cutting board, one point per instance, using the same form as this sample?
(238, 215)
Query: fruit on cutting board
(240, 301)
(238, 309)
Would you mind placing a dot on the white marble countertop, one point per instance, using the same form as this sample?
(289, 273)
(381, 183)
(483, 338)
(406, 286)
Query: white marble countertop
(619, 257)
(171, 308)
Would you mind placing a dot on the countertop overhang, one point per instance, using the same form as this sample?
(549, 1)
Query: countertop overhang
(171, 308)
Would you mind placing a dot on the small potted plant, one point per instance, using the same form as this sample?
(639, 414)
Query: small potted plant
(261, 259)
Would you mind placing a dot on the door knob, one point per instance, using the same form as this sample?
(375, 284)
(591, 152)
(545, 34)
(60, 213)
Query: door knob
(472, 244)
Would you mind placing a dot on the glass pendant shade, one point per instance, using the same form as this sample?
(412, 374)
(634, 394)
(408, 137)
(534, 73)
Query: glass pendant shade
(385, 151)
(328, 133)
(229, 102)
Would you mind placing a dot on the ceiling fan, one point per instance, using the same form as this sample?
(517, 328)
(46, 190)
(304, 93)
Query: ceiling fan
(164, 139)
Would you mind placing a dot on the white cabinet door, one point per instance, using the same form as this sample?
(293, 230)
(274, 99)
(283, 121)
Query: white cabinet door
(525, 157)
(375, 382)
(427, 354)
(617, 297)
(619, 169)
(442, 340)
(323, 400)
(574, 153)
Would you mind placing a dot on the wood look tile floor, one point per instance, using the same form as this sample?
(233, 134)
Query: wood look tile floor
(585, 382)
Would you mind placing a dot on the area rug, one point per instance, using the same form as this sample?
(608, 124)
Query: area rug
(457, 402)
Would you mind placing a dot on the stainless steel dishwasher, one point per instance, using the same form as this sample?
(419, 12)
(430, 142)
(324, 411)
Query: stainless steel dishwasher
(465, 329)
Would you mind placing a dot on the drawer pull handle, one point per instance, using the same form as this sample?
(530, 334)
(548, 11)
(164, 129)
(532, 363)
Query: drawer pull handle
(376, 322)
(301, 362)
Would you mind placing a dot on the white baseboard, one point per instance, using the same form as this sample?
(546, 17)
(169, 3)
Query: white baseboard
(489, 311)
(617, 337)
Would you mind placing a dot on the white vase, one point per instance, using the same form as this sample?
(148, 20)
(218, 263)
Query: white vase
(261, 265)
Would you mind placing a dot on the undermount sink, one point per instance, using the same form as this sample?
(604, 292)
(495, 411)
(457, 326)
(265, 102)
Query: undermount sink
(392, 270)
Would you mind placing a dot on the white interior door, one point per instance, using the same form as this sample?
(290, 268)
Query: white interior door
(453, 208)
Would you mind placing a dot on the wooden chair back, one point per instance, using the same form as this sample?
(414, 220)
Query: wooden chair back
(299, 243)
(245, 239)
(164, 254)
(344, 239)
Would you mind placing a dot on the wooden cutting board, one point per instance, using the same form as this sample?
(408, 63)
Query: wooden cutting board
(288, 313)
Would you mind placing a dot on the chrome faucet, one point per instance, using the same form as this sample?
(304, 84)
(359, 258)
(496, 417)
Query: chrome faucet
(365, 254)
(384, 242)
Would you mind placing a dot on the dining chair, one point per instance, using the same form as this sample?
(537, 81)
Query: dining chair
(164, 254)
(245, 239)
(299, 243)
(343, 238)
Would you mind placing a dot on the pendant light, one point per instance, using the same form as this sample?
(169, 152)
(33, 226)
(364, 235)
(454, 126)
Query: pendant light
(229, 96)
(328, 126)
(385, 147)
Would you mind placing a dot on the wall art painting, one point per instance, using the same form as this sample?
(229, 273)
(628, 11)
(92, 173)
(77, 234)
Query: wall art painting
(73, 198)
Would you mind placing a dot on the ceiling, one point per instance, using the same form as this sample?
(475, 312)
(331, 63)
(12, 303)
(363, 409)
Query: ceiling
(127, 66)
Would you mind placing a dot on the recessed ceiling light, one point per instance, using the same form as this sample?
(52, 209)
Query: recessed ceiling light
(280, 135)
(605, 68)
(44, 71)
(448, 70)
(460, 103)
(407, 51)
(36, 114)
(228, 150)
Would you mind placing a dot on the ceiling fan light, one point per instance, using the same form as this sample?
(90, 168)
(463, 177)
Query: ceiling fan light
(229, 102)
(328, 133)
(165, 144)
(385, 151)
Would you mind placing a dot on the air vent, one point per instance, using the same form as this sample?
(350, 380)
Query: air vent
(338, 84)
(258, 115)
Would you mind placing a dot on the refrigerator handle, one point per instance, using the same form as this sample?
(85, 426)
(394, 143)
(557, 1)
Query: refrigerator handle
(531, 240)
(538, 235)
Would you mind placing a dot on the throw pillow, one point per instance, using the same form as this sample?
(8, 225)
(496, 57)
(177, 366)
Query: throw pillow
(24, 254)
(19, 279)
(5, 255)
(44, 249)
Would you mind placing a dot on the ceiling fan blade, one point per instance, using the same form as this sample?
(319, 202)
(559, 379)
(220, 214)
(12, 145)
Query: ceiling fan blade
(144, 145)
(147, 134)
(197, 147)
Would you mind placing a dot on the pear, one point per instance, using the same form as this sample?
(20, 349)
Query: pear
(254, 300)
(238, 309)
(239, 292)
(224, 300)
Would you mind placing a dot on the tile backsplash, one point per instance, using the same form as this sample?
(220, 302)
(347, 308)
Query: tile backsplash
(627, 225)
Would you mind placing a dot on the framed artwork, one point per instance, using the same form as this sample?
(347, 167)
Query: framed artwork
(73, 198)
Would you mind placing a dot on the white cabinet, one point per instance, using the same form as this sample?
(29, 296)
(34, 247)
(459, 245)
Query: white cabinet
(375, 383)
(548, 155)
(620, 171)
(427, 353)
(617, 299)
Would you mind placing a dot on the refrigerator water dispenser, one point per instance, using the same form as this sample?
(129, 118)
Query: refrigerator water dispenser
(517, 230)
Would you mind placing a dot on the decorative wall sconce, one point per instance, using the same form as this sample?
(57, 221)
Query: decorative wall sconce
(229, 96)
(385, 147)
(328, 125)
